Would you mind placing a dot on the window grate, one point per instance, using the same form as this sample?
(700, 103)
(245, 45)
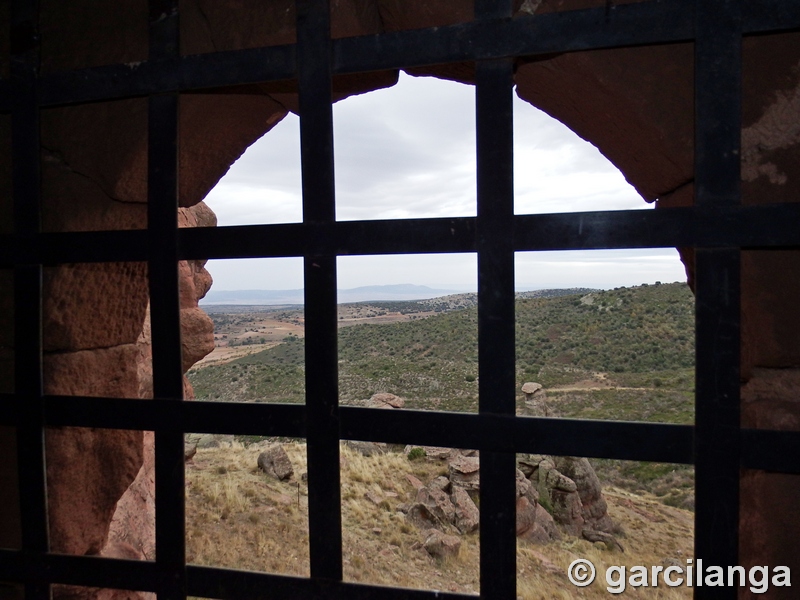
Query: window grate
(717, 226)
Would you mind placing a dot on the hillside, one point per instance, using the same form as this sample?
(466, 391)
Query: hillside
(622, 354)
(239, 518)
(637, 337)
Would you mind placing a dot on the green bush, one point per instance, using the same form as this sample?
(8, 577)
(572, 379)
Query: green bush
(417, 454)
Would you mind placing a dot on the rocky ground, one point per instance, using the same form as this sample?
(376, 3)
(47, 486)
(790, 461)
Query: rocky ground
(409, 518)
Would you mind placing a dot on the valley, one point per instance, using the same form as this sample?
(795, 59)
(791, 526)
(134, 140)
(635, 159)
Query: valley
(624, 354)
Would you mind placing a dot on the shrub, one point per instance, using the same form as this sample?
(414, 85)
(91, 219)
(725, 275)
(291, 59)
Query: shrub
(416, 454)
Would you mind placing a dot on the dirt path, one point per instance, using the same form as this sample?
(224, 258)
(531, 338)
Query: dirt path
(589, 388)
(224, 354)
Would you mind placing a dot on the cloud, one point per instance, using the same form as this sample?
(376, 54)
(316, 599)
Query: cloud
(409, 152)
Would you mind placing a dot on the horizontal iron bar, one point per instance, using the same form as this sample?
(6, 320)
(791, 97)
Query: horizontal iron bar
(595, 439)
(657, 21)
(209, 582)
(75, 247)
(241, 418)
(343, 238)
(767, 450)
(761, 449)
(199, 71)
(599, 439)
(565, 31)
(766, 226)
(770, 16)
(90, 571)
(744, 226)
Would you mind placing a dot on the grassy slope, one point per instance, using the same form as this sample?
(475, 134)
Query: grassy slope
(238, 518)
(641, 336)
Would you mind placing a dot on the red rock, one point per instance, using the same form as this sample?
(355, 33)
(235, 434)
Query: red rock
(415, 483)
(526, 515)
(87, 468)
(134, 521)
(465, 472)
(567, 511)
(440, 545)
(467, 516)
(438, 503)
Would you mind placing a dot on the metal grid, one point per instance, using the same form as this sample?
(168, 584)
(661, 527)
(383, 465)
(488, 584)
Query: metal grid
(717, 226)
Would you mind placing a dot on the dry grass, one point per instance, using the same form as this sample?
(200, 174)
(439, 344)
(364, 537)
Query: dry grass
(238, 518)
(653, 532)
(378, 545)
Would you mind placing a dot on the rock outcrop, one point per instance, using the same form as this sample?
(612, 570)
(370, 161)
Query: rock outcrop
(550, 503)
(465, 472)
(536, 399)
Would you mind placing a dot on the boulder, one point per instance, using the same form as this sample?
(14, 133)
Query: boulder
(373, 497)
(534, 523)
(442, 546)
(526, 515)
(421, 517)
(528, 465)
(385, 400)
(366, 448)
(189, 450)
(530, 388)
(465, 472)
(587, 484)
(208, 440)
(545, 521)
(610, 542)
(437, 502)
(275, 462)
(433, 452)
(414, 481)
(467, 516)
(567, 511)
(526, 489)
(556, 480)
(440, 483)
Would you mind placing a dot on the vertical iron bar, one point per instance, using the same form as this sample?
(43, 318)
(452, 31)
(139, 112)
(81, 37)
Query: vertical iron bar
(717, 183)
(162, 224)
(321, 354)
(718, 102)
(28, 382)
(496, 353)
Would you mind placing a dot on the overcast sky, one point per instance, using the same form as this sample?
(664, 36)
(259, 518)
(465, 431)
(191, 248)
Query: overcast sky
(409, 151)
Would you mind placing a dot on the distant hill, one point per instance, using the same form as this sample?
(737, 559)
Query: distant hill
(404, 292)
(399, 292)
(629, 333)
(625, 354)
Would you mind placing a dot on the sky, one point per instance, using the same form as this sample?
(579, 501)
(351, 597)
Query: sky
(409, 152)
